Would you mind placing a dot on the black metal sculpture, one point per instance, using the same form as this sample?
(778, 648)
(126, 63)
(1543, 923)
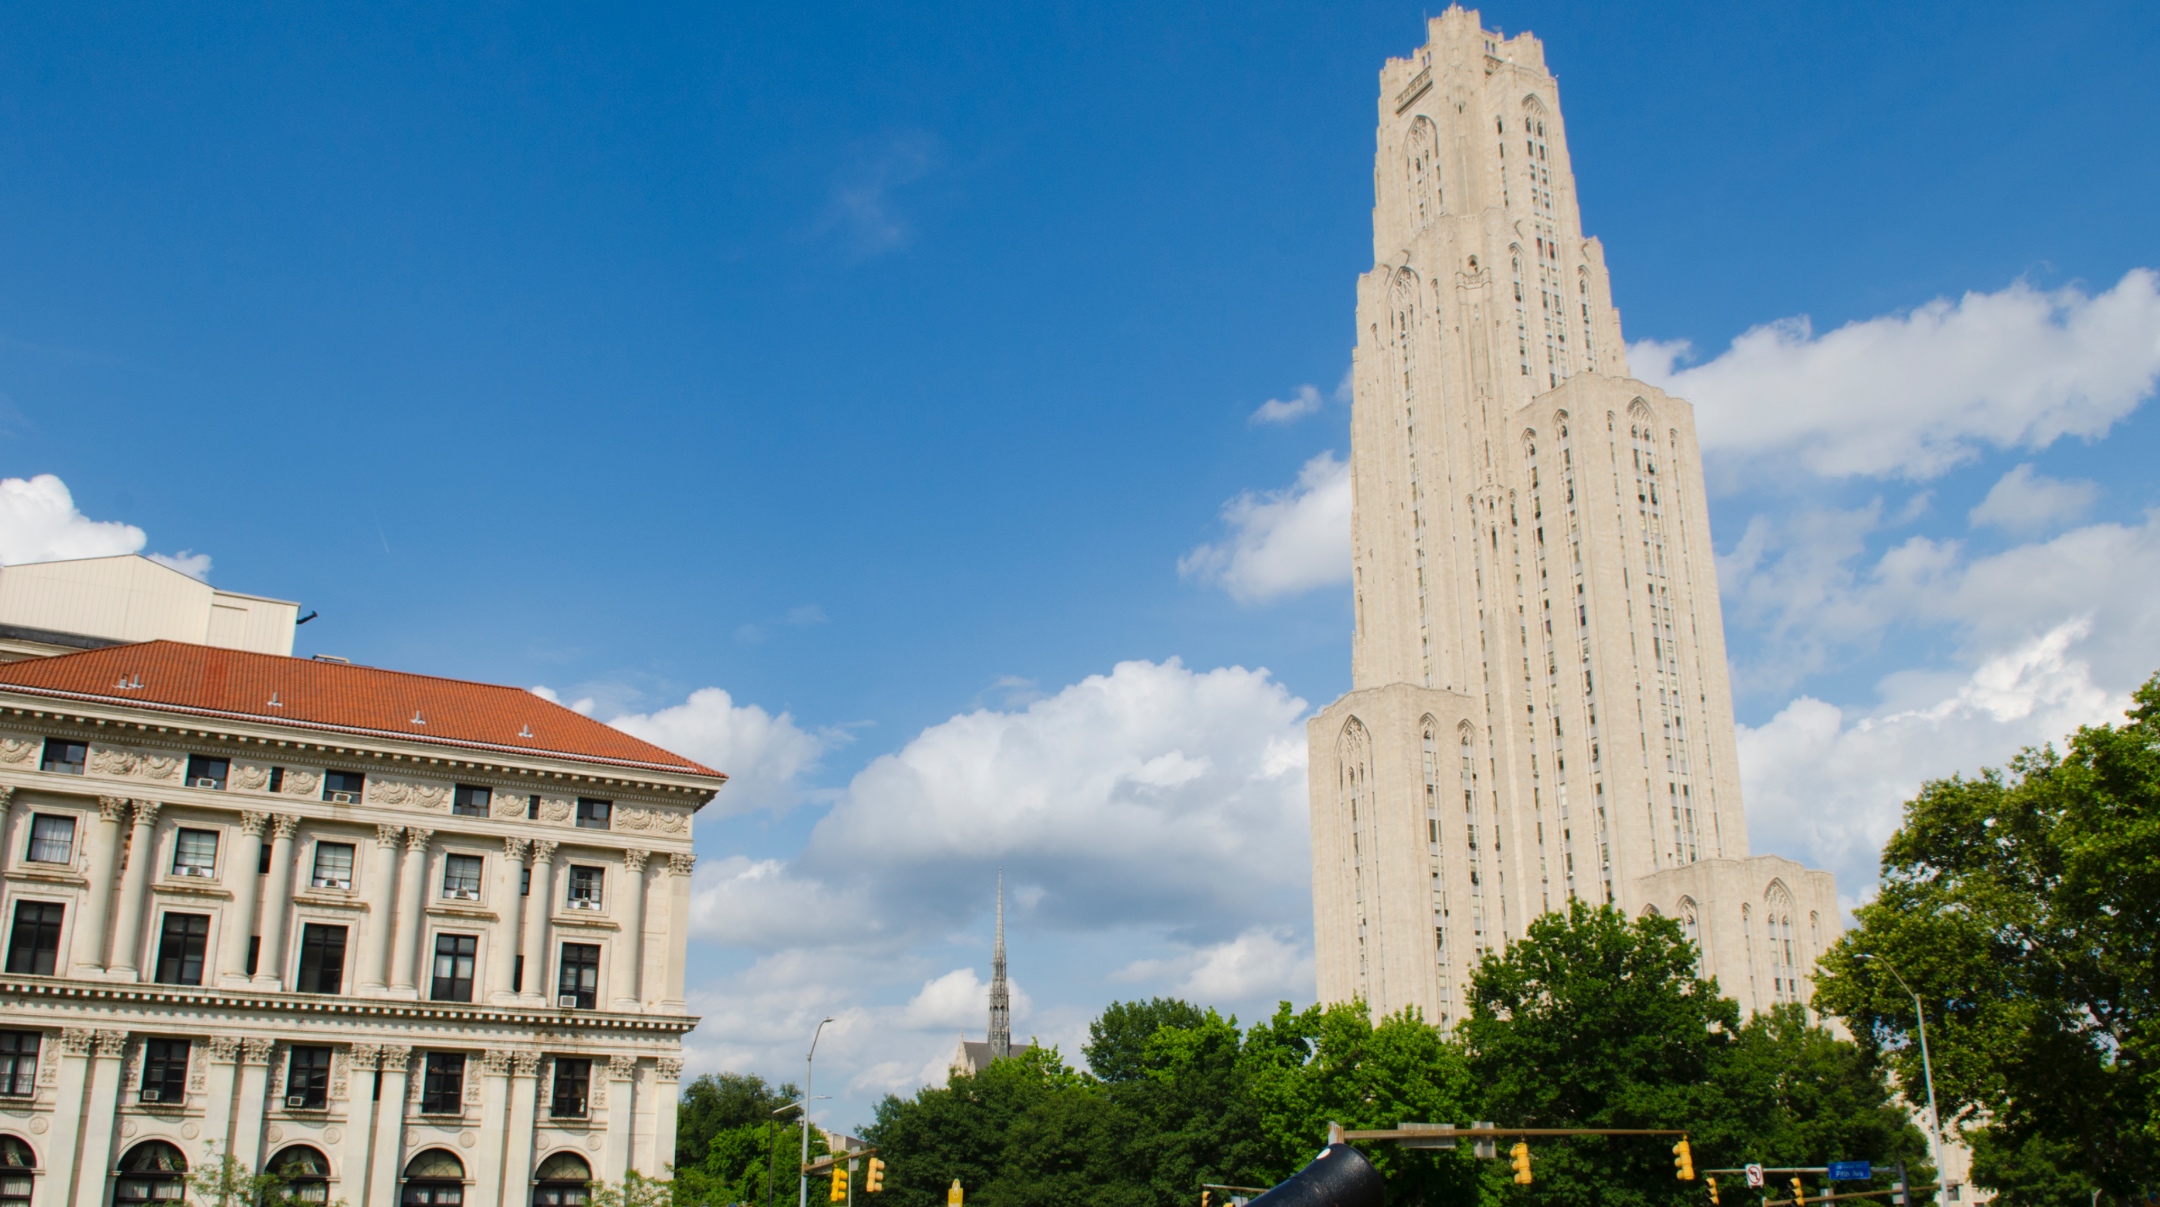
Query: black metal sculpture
(1339, 1177)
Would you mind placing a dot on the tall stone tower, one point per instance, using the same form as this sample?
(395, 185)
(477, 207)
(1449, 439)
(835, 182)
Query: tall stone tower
(1540, 707)
(1000, 1034)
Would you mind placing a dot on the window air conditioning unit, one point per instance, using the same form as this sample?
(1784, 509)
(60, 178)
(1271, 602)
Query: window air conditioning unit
(567, 1001)
(296, 1102)
(204, 781)
(467, 894)
(343, 798)
(192, 870)
(150, 1095)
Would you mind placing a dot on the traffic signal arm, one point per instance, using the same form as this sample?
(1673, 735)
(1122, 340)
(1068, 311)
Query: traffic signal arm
(1852, 1194)
(1394, 1133)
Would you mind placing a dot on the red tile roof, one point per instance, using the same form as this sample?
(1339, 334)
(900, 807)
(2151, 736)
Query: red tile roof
(201, 680)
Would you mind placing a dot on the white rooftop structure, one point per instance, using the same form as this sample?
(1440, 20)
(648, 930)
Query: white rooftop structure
(49, 607)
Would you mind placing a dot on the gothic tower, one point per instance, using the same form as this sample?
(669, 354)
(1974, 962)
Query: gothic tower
(1000, 1035)
(1540, 710)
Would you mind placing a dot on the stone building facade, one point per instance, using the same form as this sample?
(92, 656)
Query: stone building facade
(405, 939)
(1540, 709)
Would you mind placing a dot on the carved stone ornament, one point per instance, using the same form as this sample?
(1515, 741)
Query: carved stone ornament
(284, 825)
(18, 750)
(514, 849)
(255, 1050)
(75, 1041)
(669, 1068)
(146, 812)
(49, 1066)
(408, 793)
(495, 1061)
(277, 1079)
(225, 1049)
(366, 1056)
(340, 1072)
(112, 808)
(198, 1069)
(395, 1057)
(251, 824)
(542, 851)
(110, 1044)
(387, 836)
(416, 839)
(621, 1067)
(250, 777)
(634, 861)
(554, 808)
(509, 804)
(7, 797)
(525, 1064)
(472, 1091)
(664, 821)
(301, 782)
(681, 863)
(133, 764)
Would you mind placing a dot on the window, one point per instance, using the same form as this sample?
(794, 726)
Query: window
(164, 1071)
(442, 1087)
(262, 860)
(435, 1178)
(180, 949)
(195, 853)
(343, 787)
(573, 1083)
(532, 807)
(52, 838)
(579, 987)
(333, 864)
(584, 887)
(461, 877)
(16, 1162)
(517, 974)
(562, 1181)
(454, 968)
(18, 1063)
(254, 953)
(307, 1079)
(322, 959)
(470, 801)
(524, 882)
(593, 814)
(306, 1172)
(34, 947)
(206, 772)
(277, 779)
(152, 1172)
(64, 756)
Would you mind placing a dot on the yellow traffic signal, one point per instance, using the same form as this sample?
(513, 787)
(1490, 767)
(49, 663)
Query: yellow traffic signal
(1799, 1193)
(1684, 1160)
(1519, 1157)
(1204, 1197)
(1713, 1191)
(839, 1183)
(952, 1197)
(874, 1177)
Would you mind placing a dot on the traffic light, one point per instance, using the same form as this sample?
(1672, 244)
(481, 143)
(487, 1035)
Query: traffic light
(952, 1197)
(874, 1177)
(1684, 1160)
(1204, 1197)
(1712, 1181)
(839, 1182)
(1799, 1193)
(1519, 1157)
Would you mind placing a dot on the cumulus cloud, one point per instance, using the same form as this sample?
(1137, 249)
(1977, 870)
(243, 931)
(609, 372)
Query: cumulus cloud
(1282, 542)
(764, 755)
(1912, 395)
(960, 1001)
(1283, 410)
(39, 523)
(1259, 964)
(2023, 501)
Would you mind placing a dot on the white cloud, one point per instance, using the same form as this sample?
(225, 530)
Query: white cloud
(1282, 542)
(187, 561)
(1259, 964)
(39, 523)
(1912, 395)
(1828, 788)
(862, 204)
(960, 1001)
(764, 755)
(1284, 410)
(2023, 501)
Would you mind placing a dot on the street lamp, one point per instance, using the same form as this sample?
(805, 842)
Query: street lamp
(802, 1198)
(1927, 1071)
(770, 1165)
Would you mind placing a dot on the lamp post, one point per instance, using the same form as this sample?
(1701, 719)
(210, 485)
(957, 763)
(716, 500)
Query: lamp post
(802, 1198)
(1927, 1070)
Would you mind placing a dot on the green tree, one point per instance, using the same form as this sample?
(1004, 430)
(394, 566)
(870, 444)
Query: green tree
(2023, 907)
(1789, 1092)
(718, 1102)
(223, 1181)
(1116, 1049)
(963, 1129)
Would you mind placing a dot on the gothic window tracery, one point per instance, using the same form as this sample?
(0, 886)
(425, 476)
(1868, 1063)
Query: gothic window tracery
(1426, 195)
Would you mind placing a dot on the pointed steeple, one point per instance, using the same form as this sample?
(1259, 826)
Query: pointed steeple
(1000, 1000)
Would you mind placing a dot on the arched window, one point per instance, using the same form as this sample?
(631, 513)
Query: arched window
(1777, 923)
(151, 1172)
(17, 1164)
(306, 1172)
(564, 1180)
(435, 1178)
(1423, 153)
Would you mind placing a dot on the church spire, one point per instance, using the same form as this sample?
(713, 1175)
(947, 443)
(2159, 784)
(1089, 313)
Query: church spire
(1000, 1001)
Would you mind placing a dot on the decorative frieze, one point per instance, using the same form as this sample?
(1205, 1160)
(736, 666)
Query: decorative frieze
(249, 777)
(120, 762)
(300, 781)
(408, 794)
(19, 750)
(661, 821)
(555, 808)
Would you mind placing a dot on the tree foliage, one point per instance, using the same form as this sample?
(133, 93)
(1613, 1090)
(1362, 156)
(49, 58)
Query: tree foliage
(2022, 907)
(731, 1146)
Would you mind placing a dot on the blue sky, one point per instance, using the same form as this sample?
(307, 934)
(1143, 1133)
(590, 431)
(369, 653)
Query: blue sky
(876, 366)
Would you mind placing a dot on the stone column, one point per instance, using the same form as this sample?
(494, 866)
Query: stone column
(518, 1153)
(134, 896)
(621, 1112)
(629, 957)
(247, 1131)
(277, 903)
(667, 1095)
(411, 915)
(73, 1084)
(224, 1090)
(494, 1070)
(509, 930)
(537, 909)
(381, 890)
(360, 1107)
(9, 820)
(99, 1125)
(679, 866)
(389, 1146)
(87, 957)
(246, 890)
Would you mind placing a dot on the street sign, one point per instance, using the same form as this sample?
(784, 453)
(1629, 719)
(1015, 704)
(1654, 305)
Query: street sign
(1754, 1177)
(1850, 1171)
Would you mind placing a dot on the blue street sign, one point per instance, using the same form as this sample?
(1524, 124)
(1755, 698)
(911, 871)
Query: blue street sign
(1850, 1171)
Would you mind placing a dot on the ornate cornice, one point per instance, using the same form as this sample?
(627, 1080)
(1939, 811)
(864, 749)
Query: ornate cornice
(312, 1007)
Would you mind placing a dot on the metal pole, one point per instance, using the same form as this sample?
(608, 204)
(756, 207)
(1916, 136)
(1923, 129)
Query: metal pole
(802, 1198)
(1927, 1068)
